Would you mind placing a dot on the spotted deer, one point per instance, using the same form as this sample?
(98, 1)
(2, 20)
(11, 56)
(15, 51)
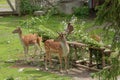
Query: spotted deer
(28, 40)
(57, 47)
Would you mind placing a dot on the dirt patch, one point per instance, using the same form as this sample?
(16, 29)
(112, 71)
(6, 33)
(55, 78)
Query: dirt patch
(75, 73)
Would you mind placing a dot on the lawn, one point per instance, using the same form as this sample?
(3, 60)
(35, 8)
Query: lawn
(11, 50)
(5, 1)
(5, 5)
(2, 1)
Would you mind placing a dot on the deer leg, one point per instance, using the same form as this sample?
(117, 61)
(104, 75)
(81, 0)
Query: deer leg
(60, 60)
(46, 58)
(40, 47)
(26, 52)
(50, 61)
(36, 47)
(66, 63)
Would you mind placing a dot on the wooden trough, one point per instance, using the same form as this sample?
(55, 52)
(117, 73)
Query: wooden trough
(96, 66)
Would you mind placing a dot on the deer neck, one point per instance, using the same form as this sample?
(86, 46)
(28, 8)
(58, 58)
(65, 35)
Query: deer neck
(21, 38)
(20, 35)
(65, 47)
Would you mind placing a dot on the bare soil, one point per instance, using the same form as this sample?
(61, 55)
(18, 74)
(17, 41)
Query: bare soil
(74, 73)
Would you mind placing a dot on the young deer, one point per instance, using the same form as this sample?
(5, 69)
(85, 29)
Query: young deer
(59, 48)
(27, 40)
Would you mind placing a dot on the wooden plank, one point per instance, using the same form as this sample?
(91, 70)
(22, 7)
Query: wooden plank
(3, 13)
(86, 67)
(11, 6)
(77, 44)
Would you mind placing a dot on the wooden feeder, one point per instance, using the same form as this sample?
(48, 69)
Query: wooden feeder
(99, 55)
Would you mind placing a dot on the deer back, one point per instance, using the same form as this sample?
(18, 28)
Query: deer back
(30, 39)
(53, 46)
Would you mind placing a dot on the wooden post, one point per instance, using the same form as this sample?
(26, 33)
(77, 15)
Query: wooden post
(17, 5)
(76, 56)
(90, 57)
(103, 59)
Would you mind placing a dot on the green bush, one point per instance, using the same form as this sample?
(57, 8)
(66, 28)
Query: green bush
(37, 25)
(81, 12)
(27, 8)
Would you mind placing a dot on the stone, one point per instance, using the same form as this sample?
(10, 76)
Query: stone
(38, 13)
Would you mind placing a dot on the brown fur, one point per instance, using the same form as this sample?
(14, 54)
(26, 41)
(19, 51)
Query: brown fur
(55, 47)
(96, 37)
(27, 40)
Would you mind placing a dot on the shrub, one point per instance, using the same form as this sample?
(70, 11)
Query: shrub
(27, 8)
(81, 12)
(37, 25)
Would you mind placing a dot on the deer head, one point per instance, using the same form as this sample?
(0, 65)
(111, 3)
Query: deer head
(61, 37)
(17, 30)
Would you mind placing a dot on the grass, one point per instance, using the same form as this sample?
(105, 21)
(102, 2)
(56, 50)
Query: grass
(4, 4)
(11, 49)
(5, 1)
(2, 1)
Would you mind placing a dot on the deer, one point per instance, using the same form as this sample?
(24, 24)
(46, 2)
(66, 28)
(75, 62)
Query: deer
(96, 37)
(58, 47)
(28, 40)
(69, 29)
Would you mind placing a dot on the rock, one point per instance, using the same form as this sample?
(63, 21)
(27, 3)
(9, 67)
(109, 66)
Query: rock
(38, 13)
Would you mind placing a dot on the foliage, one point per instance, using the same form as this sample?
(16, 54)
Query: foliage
(80, 35)
(36, 25)
(81, 12)
(109, 73)
(109, 13)
(27, 8)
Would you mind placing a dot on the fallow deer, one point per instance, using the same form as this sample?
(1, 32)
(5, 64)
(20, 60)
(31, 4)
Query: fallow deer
(69, 29)
(96, 37)
(57, 47)
(27, 40)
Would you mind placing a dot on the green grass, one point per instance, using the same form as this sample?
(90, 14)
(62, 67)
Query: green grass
(11, 49)
(2, 1)
(5, 1)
